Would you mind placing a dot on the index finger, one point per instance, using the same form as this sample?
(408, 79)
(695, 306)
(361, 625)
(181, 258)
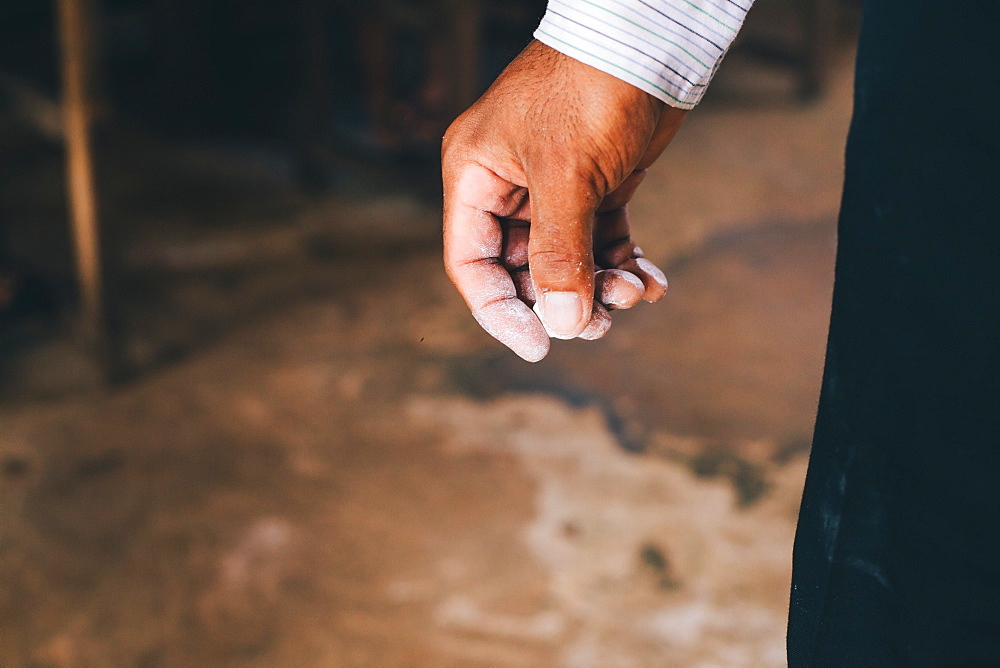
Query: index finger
(473, 244)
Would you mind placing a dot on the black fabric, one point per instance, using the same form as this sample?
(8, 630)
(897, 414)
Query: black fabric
(897, 553)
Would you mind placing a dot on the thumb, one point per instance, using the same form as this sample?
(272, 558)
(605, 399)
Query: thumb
(560, 253)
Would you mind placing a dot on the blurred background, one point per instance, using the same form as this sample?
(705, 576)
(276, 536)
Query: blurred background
(244, 418)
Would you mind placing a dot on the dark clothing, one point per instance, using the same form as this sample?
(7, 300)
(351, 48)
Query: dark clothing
(897, 554)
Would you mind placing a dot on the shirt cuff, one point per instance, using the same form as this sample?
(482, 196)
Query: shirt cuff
(668, 48)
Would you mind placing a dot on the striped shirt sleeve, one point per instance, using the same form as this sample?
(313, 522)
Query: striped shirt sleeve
(668, 48)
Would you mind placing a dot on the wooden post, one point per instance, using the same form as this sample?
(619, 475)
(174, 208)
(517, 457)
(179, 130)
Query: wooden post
(76, 38)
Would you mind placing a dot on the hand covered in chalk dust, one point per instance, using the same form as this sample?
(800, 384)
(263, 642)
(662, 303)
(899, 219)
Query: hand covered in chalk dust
(537, 175)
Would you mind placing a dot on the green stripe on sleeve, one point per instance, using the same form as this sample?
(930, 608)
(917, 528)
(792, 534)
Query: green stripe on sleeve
(642, 27)
(711, 16)
(616, 66)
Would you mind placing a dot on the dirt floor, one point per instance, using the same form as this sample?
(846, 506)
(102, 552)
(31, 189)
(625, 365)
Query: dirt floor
(326, 462)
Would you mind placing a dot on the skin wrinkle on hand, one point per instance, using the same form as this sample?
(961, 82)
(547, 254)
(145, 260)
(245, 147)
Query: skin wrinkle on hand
(474, 243)
(493, 285)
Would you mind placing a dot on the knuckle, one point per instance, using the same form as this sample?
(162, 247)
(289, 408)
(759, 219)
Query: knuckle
(559, 271)
(590, 172)
(555, 254)
(460, 136)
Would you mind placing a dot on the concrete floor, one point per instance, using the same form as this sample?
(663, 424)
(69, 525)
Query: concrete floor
(357, 474)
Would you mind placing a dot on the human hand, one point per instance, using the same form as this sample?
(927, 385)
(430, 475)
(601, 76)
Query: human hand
(537, 175)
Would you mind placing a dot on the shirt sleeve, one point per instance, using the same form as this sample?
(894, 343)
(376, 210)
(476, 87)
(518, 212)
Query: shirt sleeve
(668, 48)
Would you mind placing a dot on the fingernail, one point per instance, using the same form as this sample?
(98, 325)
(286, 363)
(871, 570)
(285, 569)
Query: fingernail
(562, 314)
